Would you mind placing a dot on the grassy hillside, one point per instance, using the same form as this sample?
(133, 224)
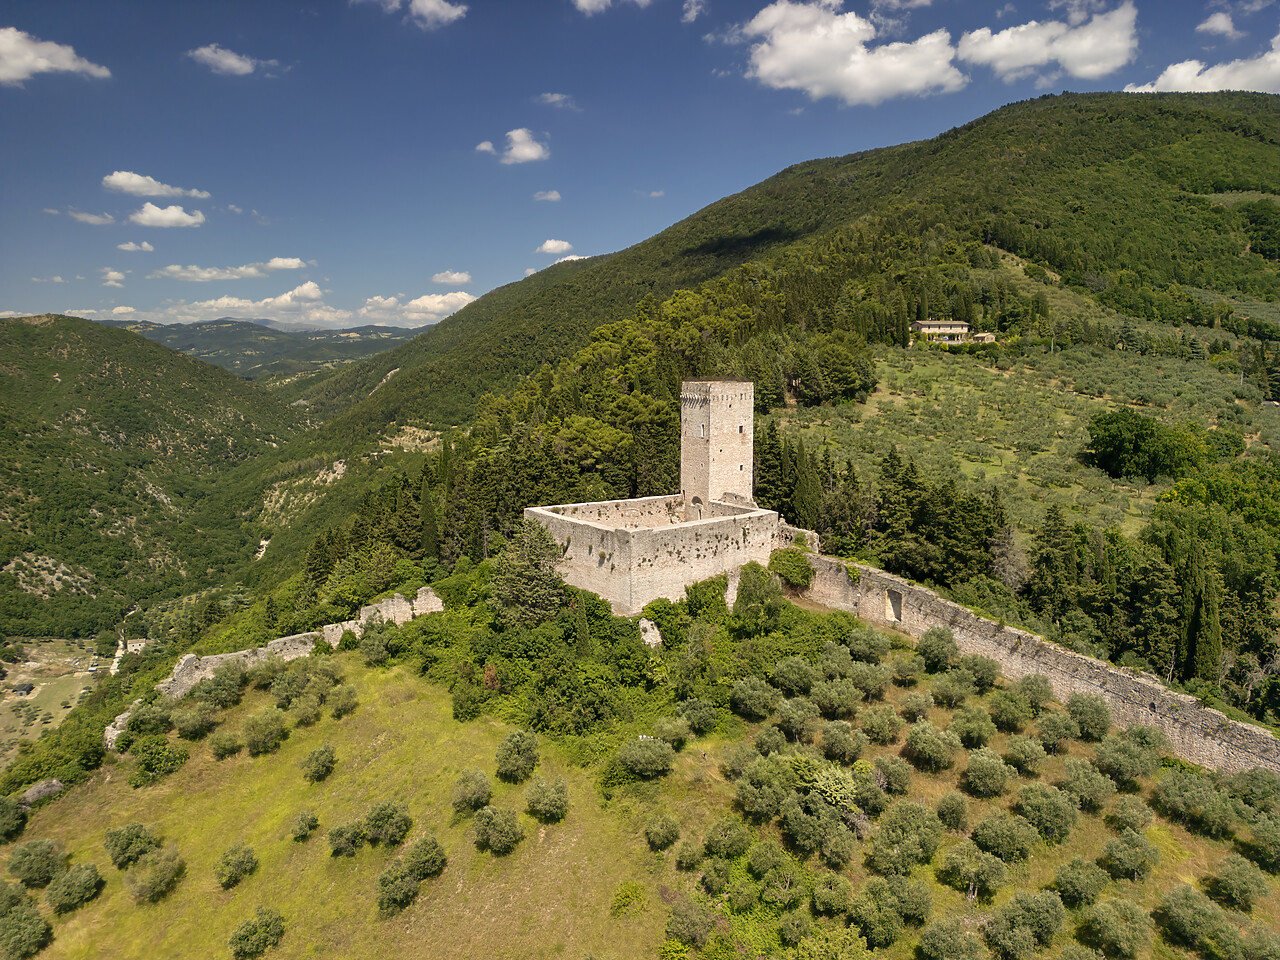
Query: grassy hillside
(590, 885)
(110, 471)
(258, 352)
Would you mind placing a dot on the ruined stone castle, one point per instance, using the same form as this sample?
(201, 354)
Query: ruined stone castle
(633, 551)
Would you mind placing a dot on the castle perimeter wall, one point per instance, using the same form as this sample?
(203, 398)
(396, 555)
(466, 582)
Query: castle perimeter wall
(1198, 733)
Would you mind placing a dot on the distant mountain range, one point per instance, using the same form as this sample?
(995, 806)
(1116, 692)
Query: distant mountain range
(264, 349)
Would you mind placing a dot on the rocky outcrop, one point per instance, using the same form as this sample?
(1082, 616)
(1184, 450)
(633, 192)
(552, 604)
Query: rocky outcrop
(38, 791)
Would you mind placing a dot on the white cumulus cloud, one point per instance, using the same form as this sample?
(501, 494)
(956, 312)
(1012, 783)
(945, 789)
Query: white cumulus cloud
(430, 308)
(303, 304)
(555, 247)
(172, 216)
(1087, 49)
(204, 274)
(551, 196)
(523, 147)
(530, 271)
(132, 247)
(451, 277)
(126, 181)
(1221, 24)
(123, 311)
(22, 56)
(485, 146)
(97, 219)
(111, 278)
(816, 48)
(572, 256)
(1260, 73)
(692, 10)
(428, 14)
(228, 62)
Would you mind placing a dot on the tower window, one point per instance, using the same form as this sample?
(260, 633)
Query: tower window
(740, 428)
(702, 430)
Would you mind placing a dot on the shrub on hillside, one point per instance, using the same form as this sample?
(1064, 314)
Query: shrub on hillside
(929, 748)
(690, 922)
(1037, 690)
(908, 670)
(753, 698)
(1119, 928)
(1130, 813)
(953, 811)
(128, 844)
(792, 566)
(36, 862)
(1055, 729)
(797, 718)
(867, 645)
(257, 935)
(646, 758)
(155, 875)
(1237, 883)
(794, 676)
(909, 834)
(972, 870)
(346, 838)
(973, 726)
(73, 888)
(832, 895)
(223, 690)
(548, 800)
(23, 931)
(517, 756)
(1010, 711)
(425, 858)
(1010, 838)
(728, 837)
(914, 901)
(156, 758)
(234, 865)
(874, 912)
(987, 775)
(1195, 802)
(304, 824)
(894, 773)
(497, 831)
(386, 824)
(471, 791)
(881, 724)
(769, 741)
(915, 706)
(1049, 810)
(984, 670)
(1028, 921)
(1257, 788)
(1129, 855)
(12, 819)
(1087, 786)
(948, 940)
(672, 730)
(1091, 714)
(1025, 755)
(661, 832)
(938, 647)
(701, 716)
(224, 744)
(841, 743)
(689, 854)
(341, 701)
(264, 731)
(953, 688)
(1124, 759)
(1079, 881)
(319, 763)
(1188, 918)
(872, 679)
(1263, 845)
(194, 720)
(836, 699)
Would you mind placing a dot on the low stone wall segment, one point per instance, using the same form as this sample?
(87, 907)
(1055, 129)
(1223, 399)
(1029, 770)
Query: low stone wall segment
(191, 669)
(1198, 733)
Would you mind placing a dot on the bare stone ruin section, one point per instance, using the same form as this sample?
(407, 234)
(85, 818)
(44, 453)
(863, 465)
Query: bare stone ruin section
(1198, 733)
(191, 669)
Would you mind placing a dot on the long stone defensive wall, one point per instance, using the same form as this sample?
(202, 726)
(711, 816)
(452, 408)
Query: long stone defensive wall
(191, 669)
(1198, 733)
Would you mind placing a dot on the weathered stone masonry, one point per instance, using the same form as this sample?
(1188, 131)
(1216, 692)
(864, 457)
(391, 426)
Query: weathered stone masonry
(1198, 733)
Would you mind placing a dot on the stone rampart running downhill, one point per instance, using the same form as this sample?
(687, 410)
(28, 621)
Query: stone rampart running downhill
(191, 669)
(1198, 733)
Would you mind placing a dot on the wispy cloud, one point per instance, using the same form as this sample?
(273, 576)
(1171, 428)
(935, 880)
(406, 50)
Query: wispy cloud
(132, 247)
(561, 101)
(427, 14)
(172, 216)
(590, 7)
(551, 196)
(228, 62)
(22, 56)
(205, 274)
(692, 10)
(126, 181)
(111, 277)
(97, 219)
(56, 278)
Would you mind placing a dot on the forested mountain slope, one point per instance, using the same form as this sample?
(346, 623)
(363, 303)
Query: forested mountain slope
(1113, 191)
(108, 461)
(259, 352)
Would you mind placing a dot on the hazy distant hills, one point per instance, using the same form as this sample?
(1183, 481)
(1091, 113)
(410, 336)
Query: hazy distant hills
(1113, 191)
(108, 462)
(260, 349)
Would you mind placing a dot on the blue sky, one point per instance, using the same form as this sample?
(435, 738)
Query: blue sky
(385, 161)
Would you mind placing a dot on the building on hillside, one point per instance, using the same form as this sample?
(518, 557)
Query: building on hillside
(633, 551)
(947, 331)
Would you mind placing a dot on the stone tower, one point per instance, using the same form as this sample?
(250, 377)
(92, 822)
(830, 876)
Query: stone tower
(716, 442)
